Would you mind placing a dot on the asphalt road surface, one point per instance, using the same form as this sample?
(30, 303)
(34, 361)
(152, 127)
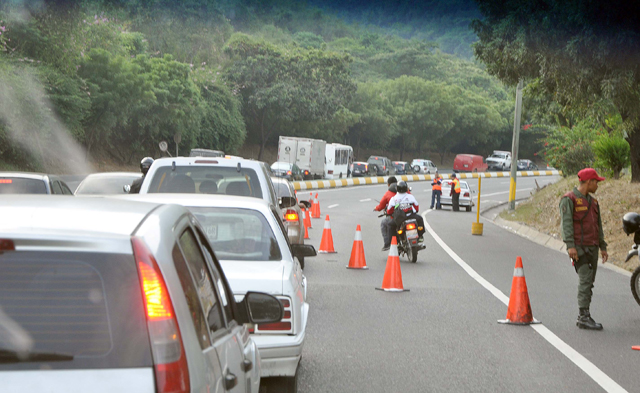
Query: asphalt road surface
(443, 335)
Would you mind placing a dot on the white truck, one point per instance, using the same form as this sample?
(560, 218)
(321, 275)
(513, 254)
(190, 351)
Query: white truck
(308, 154)
(500, 160)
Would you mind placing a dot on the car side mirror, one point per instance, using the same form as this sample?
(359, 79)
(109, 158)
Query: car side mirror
(303, 250)
(306, 204)
(126, 188)
(287, 201)
(258, 307)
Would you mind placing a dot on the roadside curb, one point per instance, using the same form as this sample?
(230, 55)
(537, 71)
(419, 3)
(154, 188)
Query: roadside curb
(527, 232)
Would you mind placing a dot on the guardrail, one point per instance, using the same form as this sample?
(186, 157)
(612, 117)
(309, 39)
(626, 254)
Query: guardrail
(363, 181)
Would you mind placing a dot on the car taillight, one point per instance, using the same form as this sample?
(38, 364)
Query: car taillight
(306, 172)
(169, 359)
(330, 171)
(284, 326)
(7, 245)
(6, 181)
(366, 167)
(466, 194)
(291, 215)
(411, 226)
(288, 172)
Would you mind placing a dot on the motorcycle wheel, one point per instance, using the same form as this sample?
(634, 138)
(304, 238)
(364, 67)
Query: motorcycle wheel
(635, 284)
(412, 254)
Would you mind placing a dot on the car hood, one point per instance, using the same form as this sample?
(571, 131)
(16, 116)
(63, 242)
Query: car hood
(260, 276)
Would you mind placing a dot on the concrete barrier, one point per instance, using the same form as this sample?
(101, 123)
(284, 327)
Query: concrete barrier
(363, 181)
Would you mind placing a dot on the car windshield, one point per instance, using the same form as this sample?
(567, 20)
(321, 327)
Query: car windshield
(104, 185)
(498, 156)
(18, 185)
(86, 307)
(209, 179)
(398, 165)
(238, 234)
(281, 166)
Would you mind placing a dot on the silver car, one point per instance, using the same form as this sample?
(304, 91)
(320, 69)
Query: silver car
(32, 183)
(291, 216)
(107, 183)
(107, 295)
(465, 194)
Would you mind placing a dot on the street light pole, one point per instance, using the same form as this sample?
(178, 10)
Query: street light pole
(514, 146)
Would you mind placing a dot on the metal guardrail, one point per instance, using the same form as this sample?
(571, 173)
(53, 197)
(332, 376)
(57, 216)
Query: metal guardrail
(363, 181)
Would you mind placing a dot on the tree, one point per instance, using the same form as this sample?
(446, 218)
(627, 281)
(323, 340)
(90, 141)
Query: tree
(286, 85)
(578, 52)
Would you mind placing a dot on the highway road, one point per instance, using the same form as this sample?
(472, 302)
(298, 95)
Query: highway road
(443, 335)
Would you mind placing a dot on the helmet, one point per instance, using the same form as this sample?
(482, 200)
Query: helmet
(393, 187)
(402, 187)
(391, 180)
(145, 164)
(631, 223)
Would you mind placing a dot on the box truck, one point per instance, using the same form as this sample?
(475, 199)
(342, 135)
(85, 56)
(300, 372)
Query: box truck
(308, 154)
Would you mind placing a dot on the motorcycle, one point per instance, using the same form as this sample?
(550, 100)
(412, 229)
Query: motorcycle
(635, 277)
(407, 238)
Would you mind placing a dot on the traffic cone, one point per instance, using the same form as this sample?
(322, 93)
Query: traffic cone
(357, 260)
(519, 311)
(392, 281)
(315, 209)
(326, 244)
(304, 223)
(307, 218)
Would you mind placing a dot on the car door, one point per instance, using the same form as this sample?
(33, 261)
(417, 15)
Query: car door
(223, 337)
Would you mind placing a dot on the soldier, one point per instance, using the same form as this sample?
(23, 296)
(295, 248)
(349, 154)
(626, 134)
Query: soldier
(583, 235)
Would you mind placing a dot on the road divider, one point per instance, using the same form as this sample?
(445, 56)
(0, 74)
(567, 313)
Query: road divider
(363, 181)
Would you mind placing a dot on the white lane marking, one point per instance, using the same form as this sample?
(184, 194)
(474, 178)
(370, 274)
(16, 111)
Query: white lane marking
(504, 192)
(365, 200)
(332, 206)
(585, 365)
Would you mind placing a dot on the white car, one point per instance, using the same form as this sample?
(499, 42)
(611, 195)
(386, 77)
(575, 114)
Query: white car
(104, 295)
(251, 244)
(423, 166)
(465, 194)
(107, 183)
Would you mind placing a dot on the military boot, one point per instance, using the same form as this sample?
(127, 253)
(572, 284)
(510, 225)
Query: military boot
(586, 322)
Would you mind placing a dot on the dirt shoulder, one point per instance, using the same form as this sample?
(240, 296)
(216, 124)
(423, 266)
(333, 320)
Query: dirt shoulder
(616, 197)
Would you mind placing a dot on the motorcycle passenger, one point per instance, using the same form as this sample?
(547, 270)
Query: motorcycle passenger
(387, 222)
(145, 164)
(404, 206)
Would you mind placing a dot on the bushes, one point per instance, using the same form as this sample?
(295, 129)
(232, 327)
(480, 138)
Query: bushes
(612, 153)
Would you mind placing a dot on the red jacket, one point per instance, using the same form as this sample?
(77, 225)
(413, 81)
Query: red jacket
(385, 201)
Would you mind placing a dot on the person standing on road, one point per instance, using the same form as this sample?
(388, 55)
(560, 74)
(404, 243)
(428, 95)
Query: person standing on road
(436, 191)
(386, 225)
(145, 164)
(582, 233)
(455, 193)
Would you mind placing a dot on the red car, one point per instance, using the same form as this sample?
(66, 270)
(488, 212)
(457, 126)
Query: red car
(469, 163)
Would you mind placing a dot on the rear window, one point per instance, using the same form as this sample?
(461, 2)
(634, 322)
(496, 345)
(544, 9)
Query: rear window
(104, 185)
(281, 166)
(375, 160)
(209, 179)
(282, 189)
(85, 305)
(17, 185)
(238, 234)
(359, 166)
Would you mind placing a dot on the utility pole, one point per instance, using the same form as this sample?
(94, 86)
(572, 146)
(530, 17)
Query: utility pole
(514, 146)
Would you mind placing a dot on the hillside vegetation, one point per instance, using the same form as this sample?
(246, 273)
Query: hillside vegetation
(116, 77)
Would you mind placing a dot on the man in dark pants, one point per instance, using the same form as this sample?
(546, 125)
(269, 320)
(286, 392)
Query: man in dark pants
(386, 225)
(455, 193)
(436, 191)
(583, 235)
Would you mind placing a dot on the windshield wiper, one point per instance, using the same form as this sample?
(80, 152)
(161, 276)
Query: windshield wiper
(9, 356)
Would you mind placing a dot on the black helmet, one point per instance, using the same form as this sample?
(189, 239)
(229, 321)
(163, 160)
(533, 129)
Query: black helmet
(402, 187)
(391, 180)
(393, 187)
(145, 164)
(631, 223)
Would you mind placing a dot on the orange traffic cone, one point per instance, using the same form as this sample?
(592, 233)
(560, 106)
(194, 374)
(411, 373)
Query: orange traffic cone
(307, 218)
(357, 260)
(519, 311)
(304, 222)
(326, 244)
(315, 209)
(392, 281)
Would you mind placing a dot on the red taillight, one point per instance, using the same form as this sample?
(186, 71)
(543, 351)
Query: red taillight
(285, 325)
(330, 172)
(6, 181)
(275, 326)
(291, 215)
(411, 226)
(170, 361)
(288, 172)
(7, 245)
(306, 172)
(366, 167)
(466, 194)
(285, 303)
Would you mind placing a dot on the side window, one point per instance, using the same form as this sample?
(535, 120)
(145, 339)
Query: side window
(65, 189)
(202, 280)
(284, 231)
(191, 295)
(55, 187)
(217, 277)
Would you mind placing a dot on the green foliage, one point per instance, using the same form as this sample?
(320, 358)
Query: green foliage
(308, 40)
(569, 149)
(612, 153)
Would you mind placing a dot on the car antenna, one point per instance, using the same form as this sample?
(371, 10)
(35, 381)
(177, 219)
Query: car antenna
(238, 168)
(173, 166)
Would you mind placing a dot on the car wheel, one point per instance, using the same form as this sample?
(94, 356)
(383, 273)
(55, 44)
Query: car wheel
(468, 208)
(283, 384)
(416, 169)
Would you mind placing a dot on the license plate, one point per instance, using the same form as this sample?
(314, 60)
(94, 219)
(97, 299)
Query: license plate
(466, 165)
(412, 233)
(356, 171)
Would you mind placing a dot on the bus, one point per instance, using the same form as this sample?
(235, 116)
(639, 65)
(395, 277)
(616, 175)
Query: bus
(337, 160)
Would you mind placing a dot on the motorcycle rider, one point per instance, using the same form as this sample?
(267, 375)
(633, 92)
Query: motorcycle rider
(404, 206)
(145, 164)
(387, 222)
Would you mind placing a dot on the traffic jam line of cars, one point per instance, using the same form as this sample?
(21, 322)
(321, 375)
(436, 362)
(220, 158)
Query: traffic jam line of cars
(195, 284)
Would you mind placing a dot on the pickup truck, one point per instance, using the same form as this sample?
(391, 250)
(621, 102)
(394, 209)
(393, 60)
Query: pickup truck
(500, 160)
